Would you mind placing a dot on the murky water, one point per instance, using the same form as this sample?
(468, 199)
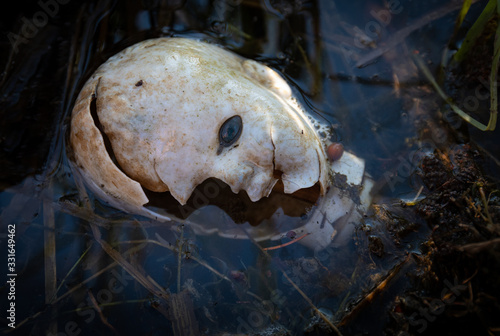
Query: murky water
(326, 50)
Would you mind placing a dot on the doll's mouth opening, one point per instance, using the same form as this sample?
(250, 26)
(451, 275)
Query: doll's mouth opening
(214, 192)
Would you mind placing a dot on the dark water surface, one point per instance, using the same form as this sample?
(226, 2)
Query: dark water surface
(319, 46)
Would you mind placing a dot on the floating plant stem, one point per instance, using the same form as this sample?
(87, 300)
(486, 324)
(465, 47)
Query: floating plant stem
(493, 112)
(458, 23)
(70, 271)
(461, 15)
(474, 32)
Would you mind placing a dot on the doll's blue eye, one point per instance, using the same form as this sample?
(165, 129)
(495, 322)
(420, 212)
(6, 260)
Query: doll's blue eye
(230, 132)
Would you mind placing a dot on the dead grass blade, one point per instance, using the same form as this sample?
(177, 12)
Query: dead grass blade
(79, 285)
(97, 274)
(181, 314)
(167, 246)
(69, 272)
(374, 292)
(49, 252)
(136, 274)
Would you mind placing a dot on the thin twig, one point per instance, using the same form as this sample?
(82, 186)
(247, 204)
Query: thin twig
(320, 314)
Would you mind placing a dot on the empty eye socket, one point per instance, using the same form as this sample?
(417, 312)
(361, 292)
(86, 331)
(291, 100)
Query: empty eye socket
(230, 131)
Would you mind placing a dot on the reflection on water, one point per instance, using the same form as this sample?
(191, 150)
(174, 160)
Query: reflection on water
(88, 272)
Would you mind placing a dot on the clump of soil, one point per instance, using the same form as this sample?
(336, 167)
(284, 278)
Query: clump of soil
(456, 283)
